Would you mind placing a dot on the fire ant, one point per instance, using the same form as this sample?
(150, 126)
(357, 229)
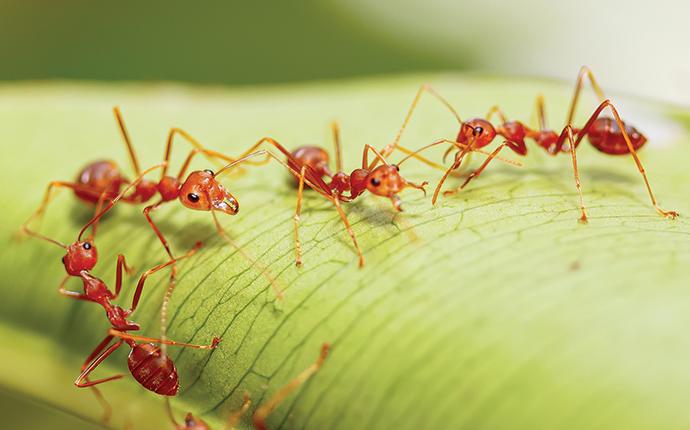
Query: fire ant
(102, 180)
(148, 364)
(200, 191)
(309, 165)
(259, 419)
(609, 135)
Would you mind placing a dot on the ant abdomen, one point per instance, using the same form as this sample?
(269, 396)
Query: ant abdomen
(153, 370)
(605, 135)
(314, 157)
(98, 177)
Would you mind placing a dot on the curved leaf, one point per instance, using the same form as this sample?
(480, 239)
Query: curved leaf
(495, 309)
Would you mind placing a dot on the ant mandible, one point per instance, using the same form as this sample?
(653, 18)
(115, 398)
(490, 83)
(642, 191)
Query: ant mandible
(609, 135)
(262, 412)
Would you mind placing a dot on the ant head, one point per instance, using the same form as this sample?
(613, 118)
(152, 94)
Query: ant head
(202, 192)
(479, 131)
(80, 256)
(385, 181)
(193, 423)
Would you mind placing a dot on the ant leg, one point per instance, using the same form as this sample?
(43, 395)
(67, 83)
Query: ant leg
(255, 262)
(296, 218)
(541, 112)
(454, 166)
(335, 130)
(47, 198)
(99, 205)
(128, 142)
(478, 171)
(151, 271)
(568, 130)
(235, 417)
(378, 155)
(121, 264)
(171, 414)
(388, 149)
(336, 202)
(584, 72)
(631, 149)
(127, 336)
(264, 410)
(107, 409)
(83, 380)
(147, 214)
(70, 294)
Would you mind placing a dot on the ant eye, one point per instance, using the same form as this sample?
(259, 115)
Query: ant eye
(478, 131)
(396, 167)
(193, 197)
(209, 171)
(375, 182)
(86, 246)
(64, 257)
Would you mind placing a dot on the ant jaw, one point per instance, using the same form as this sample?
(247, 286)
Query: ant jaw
(229, 206)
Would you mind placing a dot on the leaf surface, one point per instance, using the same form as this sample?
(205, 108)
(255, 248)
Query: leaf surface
(495, 309)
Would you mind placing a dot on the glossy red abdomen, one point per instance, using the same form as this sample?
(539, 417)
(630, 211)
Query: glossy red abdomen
(152, 371)
(314, 157)
(606, 136)
(99, 176)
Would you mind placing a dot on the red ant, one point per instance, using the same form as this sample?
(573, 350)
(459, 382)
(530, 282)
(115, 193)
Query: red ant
(147, 363)
(609, 135)
(309, 165)
(259, 419)
(200, 191)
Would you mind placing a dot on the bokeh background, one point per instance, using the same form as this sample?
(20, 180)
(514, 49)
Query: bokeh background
(634, 47)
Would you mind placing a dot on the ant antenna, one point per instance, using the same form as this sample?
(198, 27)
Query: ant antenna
(239, 160)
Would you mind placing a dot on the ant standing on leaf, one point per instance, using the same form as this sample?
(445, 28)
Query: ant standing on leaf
(261, 413)
(608, 135)
(199, 190)
(148, 364)
(309, 165)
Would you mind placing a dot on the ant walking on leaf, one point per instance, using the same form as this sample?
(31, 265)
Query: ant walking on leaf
(609, 135)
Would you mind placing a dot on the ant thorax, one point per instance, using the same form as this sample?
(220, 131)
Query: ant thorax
(143, 191)
(95, 289)
(169, 188)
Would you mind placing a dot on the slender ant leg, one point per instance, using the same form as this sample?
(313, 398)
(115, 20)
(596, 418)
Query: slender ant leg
(296, 218)
(264, 410)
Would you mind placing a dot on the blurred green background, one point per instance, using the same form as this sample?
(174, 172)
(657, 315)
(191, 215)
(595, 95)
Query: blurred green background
(235, 42)
(634, 47)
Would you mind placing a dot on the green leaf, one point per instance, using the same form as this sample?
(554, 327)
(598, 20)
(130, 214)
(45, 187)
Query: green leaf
(495, 309)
